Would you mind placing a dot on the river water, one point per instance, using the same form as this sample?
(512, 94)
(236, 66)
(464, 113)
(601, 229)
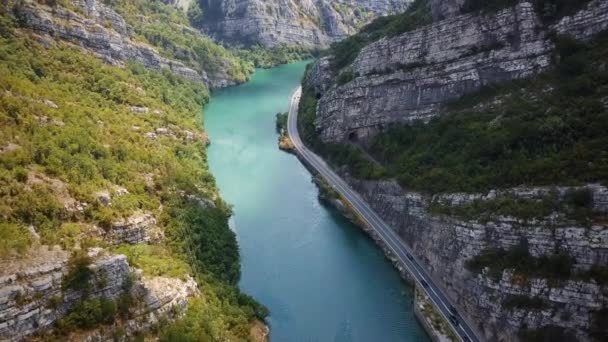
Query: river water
(321, 277)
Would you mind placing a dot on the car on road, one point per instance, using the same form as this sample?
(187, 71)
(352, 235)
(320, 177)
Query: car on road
(424, 283)
(453, 311)
(454, 320)
(409, 256)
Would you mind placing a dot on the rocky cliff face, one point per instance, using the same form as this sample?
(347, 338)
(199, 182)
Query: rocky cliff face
(311, 23)
(32, 298)
(444, 244)
(408, 77)
(443, 9)
(99, 29)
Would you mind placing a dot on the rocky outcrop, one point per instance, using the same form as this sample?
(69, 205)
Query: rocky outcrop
(32, 297)
(137, 228)
(311, 23)
(442, 9)
(443, 244)
(163, 296)
(408, 77)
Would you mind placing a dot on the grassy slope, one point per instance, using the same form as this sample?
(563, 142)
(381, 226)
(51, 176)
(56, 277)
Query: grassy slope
(93, 141)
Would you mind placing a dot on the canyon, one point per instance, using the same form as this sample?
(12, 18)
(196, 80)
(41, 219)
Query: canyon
(308, 23)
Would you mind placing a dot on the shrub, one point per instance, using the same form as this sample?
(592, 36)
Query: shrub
(203, 238)
(525, 303)
(554, 267)
(345, 77)
(281, 122)
(548, 334)
(599, 325)
(89, 314)
(154, 260)
(15, 239)
(79, 274)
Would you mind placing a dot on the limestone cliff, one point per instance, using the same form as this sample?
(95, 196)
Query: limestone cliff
(444, 243)
(96, 27)
(408, 77)
(33, 296)
(411, 77)
(310, 23)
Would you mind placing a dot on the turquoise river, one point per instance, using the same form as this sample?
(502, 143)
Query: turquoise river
(321, 277)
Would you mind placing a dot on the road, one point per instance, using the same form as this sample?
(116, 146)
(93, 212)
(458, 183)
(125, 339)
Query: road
(392, 240)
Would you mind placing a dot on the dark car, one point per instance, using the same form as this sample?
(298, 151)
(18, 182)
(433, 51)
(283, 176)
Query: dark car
(409, 256)
(424, 283)
(453, 311)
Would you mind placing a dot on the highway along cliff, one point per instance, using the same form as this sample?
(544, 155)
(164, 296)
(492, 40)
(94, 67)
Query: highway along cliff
(475, 132)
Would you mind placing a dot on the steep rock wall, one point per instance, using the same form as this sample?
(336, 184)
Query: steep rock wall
(408, 77)
(311, 23)
(32, 297)
(442, 9)
(443, 244)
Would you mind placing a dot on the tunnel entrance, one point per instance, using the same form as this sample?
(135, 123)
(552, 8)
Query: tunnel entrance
(353, 137)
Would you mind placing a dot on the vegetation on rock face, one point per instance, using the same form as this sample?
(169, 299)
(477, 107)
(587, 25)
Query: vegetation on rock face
(525, 303)
(544, 131)
(556, 267)
(548, 334)
(577, 205)
(154, 260)
(344, 52)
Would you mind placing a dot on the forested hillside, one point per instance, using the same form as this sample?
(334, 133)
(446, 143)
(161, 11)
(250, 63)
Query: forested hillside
(102, 160)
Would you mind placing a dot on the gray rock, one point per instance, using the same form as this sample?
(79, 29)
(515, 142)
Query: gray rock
(443, 9)
(311, 23)
(32, 298)
(103, 197)
(409, 77)
(150, 135)
(138, 228)
(443, 244)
